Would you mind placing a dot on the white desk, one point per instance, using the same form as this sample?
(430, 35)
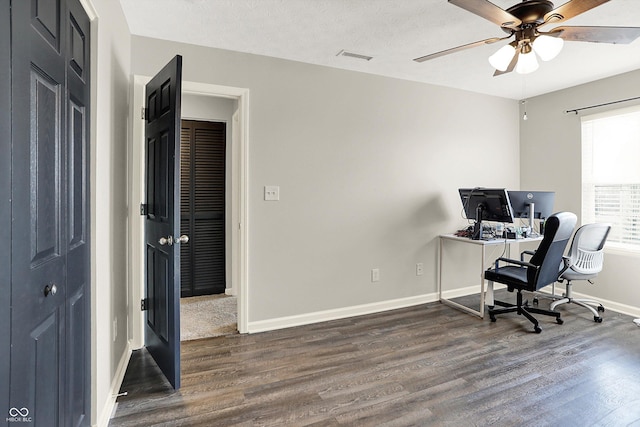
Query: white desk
(482, 244)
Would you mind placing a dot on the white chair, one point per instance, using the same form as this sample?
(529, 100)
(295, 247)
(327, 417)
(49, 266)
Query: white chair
(584, 262)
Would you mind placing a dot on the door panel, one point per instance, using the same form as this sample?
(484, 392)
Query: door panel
(43, 353)
(45, 19)
(78, 302)
(44, 171)
(50, 334)
(5, 204)
(77, 215)
(38, 210)
(162, 325)
(77, 363)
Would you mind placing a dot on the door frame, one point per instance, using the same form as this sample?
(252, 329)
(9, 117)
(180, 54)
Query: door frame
(239, 195)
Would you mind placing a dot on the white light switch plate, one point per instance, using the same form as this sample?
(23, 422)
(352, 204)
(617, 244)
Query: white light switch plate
(271, 192)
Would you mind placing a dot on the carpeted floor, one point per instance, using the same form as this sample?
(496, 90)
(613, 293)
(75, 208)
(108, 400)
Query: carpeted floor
(207, 316)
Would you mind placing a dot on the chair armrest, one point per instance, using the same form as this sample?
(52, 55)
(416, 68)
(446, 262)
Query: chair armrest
(567, 265)
(513, 261)
(523, 253)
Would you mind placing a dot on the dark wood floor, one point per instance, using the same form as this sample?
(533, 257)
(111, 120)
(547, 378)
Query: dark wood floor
(425, 365)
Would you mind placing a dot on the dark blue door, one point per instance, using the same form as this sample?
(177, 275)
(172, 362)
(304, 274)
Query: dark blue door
(162, 219)
(50, 249)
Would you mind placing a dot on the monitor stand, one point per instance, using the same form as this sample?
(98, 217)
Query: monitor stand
(477, 227)
(477, 231)
(532, 211)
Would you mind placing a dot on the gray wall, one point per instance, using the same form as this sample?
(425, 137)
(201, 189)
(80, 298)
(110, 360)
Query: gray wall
(110, 64)
(551, 160)
(368, 169)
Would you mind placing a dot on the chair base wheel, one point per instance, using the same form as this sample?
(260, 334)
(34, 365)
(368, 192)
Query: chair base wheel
(559, 321)
(535, 301)
(601, 309)
(597, 319)
(537, 329)
(492, 318)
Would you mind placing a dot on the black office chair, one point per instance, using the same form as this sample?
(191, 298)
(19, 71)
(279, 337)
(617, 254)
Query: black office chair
(540, 271)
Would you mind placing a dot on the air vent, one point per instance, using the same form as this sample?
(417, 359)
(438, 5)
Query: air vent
(354, 55)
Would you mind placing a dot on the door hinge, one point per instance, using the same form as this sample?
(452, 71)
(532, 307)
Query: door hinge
(144, 304)
(143, 114)
(143, 209)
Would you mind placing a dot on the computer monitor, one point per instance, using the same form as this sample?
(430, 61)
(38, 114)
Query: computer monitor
(485, 204)
(532, 204)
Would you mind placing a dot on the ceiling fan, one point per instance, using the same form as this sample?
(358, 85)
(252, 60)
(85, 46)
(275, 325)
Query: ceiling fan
(524, 21)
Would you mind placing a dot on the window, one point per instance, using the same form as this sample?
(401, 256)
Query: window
(611, 174)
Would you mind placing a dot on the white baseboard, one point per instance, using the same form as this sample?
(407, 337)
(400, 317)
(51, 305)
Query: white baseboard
(110, 404)
(339, 313)
(460, 292)
(469, 290)
(614, 306)
(608, 304)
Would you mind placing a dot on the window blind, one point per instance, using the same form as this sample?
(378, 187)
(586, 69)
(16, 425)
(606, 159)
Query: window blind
(611, 174)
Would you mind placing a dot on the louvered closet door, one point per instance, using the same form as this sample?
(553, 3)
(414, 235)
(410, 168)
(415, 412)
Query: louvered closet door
(202, 192)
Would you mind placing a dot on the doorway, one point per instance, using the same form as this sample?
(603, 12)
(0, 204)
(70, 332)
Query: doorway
(202, 207)
(207, 307)
(236, 209)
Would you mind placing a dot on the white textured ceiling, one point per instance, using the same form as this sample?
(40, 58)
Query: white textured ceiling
(393, 32)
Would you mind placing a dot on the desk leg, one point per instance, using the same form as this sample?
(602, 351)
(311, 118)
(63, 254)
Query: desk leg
(440, 270)
(482, 282)
(454, 304)
(489, 299)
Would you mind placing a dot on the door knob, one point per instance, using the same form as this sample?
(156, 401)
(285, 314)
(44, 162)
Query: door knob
(50, 290)
(183, 239)
(166, 241)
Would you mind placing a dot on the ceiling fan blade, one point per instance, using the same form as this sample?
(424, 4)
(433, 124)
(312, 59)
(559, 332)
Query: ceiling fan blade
(489, 11)
(615, 35)
(570, 9)
(511, 67)
(459, 48)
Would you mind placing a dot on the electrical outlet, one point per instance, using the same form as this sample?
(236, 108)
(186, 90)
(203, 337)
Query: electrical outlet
(272, 192)
(375, 274)
(419, 269)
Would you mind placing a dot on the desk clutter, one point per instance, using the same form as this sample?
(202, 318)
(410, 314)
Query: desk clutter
(497, 231)
(502, 206)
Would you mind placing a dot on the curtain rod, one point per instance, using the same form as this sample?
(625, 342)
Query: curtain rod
(575, 110)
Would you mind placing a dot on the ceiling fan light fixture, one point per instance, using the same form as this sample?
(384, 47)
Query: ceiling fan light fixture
(547, 47)
(502, 58)
(527, 63)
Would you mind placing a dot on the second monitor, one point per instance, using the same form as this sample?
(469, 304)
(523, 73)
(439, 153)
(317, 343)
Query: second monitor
(532, 204)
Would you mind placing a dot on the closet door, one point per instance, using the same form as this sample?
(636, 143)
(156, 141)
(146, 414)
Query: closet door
(202, 148)
(50, 251)
(5, 206)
